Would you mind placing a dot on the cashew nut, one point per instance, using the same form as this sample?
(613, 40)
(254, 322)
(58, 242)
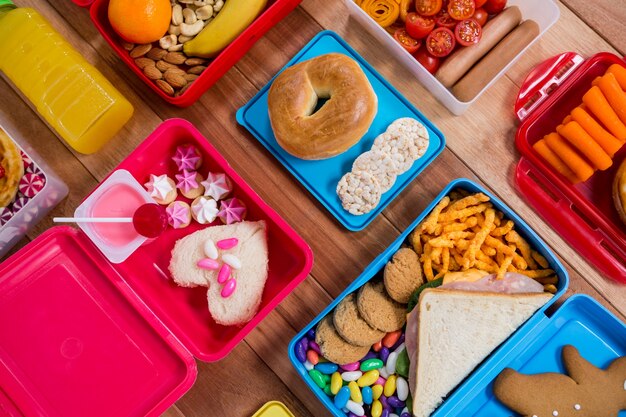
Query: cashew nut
(185, 1)
(176, 48)
(177, 14)
(204, 12)
(183, 38)
(218, 6)
(174, 30)
(191, 30)
(199, 3)
(168, 41)
(189, 16)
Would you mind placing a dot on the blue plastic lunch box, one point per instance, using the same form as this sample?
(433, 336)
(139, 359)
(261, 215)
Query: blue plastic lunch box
(535, 347)
(321, 177)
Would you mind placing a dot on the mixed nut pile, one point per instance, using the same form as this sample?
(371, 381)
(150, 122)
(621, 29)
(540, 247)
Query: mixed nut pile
(167, 65)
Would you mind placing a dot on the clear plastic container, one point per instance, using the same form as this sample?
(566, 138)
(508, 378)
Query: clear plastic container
(71, 95)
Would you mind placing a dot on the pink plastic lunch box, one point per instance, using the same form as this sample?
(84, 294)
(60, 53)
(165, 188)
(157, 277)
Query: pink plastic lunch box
(274, 13)
(80, 336)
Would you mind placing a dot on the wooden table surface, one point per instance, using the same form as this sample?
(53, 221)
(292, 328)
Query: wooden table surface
(480, 146)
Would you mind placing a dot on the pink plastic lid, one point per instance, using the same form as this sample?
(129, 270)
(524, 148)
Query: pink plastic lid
(76, 341)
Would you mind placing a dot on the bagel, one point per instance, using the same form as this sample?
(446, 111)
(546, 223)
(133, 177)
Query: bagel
(338, 124)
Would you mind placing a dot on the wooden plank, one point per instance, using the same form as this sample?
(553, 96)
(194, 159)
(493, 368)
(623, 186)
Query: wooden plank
(606, 17)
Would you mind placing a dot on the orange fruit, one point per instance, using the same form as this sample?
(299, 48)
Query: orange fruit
(140, 21)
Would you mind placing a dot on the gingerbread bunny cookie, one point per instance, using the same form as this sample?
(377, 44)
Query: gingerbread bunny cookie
(587, 391)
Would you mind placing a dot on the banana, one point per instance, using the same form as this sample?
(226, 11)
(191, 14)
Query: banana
(234, 18)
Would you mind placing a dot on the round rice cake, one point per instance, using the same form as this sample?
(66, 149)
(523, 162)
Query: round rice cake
(351, 326)
(403, 275)
(415, 130)
(399, 147)
(380, 165)
(378, 309)
(334, 347)
(359, 192)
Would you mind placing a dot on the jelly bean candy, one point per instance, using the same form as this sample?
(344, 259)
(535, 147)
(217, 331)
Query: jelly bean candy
(327, 390)
(390, 386)
(368, 396)
(399, 348)
(335, 383)
(313, 345)
(377, 409)
(370, 364)
(312, 357)
(327, 368)
(311, 334)
(393, 415)
(368, 378)
(350, 366)
(370, 355)
(318, 378)
(377, 346)
(351, 414)
(301, 349)
(385, 413)
(398, 343)
(383, 401)
(390, 366)
(308, 365)
(393, 401)
(380, 381)
(383, 372)
(384, 354)
(377, 391)
(402, 388)
(351, 376)
(355, 392)
(355, 408)
(342, 397)
(390, 339)
(405, 414)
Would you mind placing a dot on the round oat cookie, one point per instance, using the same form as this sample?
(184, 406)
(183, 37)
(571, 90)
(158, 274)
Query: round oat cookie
(378, 309)
(333, 347)
(403, 275)
(399, 147)
(359, 192)
(351, 326)
(380, 165)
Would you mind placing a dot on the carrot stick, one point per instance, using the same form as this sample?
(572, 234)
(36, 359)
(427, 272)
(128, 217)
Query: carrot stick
(600, 107)
(568, 155)
(608, 142)
(596, 80)
(615, 96)
(585, 145)
(546, 153)
(620, 74)
(567, 119)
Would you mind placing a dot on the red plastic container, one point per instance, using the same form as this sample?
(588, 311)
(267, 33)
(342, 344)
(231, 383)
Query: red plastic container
(80, 336)
(274, 13)
(584, 213)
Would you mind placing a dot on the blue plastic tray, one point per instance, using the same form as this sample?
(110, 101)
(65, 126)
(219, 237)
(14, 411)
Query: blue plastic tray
(475, 391)
(321, 177)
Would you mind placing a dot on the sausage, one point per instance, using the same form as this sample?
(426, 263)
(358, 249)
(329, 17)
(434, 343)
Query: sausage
(457, 64)
(492, 63)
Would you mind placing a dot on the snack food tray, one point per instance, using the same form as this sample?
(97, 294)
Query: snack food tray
(216, 68)
(321, 177)
(544, 12)
(475, 383)
(584, 213)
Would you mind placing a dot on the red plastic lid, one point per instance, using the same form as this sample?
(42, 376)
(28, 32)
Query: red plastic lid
(75, 339)
(83, 3)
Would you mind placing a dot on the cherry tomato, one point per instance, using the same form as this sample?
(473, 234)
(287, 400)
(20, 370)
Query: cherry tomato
(495, 6)
(480, 3)
(468, 32)
(444, 20)
(407, 42)
(440, 42)
(481, 16)
(461, 9)
(428, 7)
(428, 61)
(419, 26)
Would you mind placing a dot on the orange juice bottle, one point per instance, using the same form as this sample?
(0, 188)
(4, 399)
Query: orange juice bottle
(72, 96)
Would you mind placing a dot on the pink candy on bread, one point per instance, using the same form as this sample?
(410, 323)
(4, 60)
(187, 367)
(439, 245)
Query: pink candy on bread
(224, 274)
(229, 288)
(227, 243)
(207, 263)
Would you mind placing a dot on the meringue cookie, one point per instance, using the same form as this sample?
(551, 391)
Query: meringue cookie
(187, 157)
(161, 188)
(204, 210)
(178, 214)
(232, 211)
(189, 184)
(217, 186)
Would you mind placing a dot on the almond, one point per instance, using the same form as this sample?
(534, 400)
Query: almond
(197, 70)
(156, 53)
(192, 62)
(175, 80)
(165, 87)
(176, 71)
(176, 58)
(144, 62)
(127, 45)
(152, 72)
(164, 66)
(140, 50)
(191, 77)
(182, 90)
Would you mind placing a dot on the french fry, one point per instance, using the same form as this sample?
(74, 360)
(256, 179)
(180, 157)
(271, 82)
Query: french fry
(519, 262)
(462, 245)
(458, 258)
(460, 226)
(470, 200)
(477, 241)
(504, 229)
(523, 246)
(435, 254)
(451, 215)
(447, 240)
(415, 240)
(431, 220)
(427, 263)
(488, 250)
(504, 266)
(539, 259)
(498, 245)
(491, 268)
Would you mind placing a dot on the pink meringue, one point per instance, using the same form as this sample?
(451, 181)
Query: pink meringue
(161, 188)
(232, 211)
(187, 158)
(178, 214)
(217, 186)
(189, 184)
(204, 210)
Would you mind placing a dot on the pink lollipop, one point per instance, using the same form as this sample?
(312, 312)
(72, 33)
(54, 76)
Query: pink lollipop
(149, 220)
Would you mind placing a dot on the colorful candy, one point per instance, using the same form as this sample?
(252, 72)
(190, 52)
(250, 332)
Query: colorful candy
(351, 375)
(327, 368)
(229, 288)
(355, 392)
(377, 346)
(313, 345)
(224, 274)
(391, 363)
(231, 260)
(342, 397)
(390, 386)
(377, 391)
(402, 388)
(367, 394)
(313, 357)
(377, 409)
(335, 382)
(318, 378)
(31, 184)
(210, 250)
(209, 264)
(390, 339)
(355, 408)
(370, 364)
(351, 366)
(301, 348)
(368, 378)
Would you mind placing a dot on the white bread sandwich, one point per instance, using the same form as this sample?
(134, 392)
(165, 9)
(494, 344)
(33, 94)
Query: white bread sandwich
(250, 252)
(451, 331)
